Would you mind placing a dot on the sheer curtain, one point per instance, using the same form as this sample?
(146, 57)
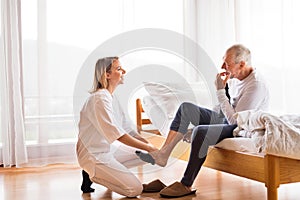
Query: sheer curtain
(211, 24)
(12, 150)
(271, 31)
(273, 36)
(54, 47)
(56, 44)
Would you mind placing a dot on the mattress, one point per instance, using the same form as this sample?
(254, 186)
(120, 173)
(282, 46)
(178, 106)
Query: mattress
(238, 144)
(235, 144)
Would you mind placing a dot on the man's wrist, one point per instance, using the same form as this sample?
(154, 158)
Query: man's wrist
(221, 91)
(221, 95)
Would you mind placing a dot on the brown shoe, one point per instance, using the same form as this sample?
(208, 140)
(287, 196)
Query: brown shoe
(154, 186)
(177, 189)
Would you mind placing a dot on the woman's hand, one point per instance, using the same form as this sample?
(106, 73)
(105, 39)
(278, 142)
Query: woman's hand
(151, 147)
(188, 136)
(133, 142)
(137, 136)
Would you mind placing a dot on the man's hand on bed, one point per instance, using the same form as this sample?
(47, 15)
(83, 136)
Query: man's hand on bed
(188, 136)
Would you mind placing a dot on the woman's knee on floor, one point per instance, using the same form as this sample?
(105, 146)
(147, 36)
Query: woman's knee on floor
(133, 191)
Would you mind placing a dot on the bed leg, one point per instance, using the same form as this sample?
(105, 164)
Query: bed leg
(272, 176)
(139, 111)
(272, 193)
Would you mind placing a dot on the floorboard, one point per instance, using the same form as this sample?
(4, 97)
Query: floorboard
(62, 182)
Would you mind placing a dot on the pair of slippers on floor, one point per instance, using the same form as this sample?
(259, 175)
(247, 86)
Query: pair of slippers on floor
(177, 189)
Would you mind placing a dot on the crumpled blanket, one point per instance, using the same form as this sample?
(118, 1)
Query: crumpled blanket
(276, 135)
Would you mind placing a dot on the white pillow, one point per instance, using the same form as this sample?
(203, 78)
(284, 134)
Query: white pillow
(157, 115)
(170, 95)
(202, 94)
(165, 98)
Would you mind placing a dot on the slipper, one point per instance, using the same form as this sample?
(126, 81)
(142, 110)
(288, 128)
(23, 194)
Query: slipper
(154, 186)
(177, 189)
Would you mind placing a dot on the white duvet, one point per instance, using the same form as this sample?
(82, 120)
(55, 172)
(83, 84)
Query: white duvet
(277, 135)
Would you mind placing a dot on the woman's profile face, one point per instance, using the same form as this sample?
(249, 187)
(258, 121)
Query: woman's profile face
(116, 74)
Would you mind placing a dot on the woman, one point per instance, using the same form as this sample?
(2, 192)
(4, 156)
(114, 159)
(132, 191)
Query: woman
(106, 143)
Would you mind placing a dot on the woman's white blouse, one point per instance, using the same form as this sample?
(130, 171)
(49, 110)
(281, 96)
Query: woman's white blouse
(99, 125)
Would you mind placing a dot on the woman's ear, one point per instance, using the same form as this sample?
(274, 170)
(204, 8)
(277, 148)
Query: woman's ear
(107, 75)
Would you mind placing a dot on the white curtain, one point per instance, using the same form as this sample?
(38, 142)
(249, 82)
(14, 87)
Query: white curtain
(272, 33)
(55, 46)
(269, 28)
(211, 24)
(13, 151)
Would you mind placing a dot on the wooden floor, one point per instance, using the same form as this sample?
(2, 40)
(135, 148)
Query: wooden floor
(62, 182)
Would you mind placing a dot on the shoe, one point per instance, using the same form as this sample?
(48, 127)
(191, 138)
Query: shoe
(177, 189)
(87, 190)
(86, 183)
(154, 186)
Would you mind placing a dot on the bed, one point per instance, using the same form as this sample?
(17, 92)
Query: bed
(269, 169)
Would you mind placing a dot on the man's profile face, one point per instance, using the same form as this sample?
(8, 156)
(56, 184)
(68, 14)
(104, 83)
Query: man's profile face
(229, 64)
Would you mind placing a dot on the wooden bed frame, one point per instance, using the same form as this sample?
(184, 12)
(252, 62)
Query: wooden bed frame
(140, 121)
(269, 169)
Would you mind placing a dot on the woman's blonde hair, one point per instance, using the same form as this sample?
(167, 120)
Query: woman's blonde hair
(102, 66)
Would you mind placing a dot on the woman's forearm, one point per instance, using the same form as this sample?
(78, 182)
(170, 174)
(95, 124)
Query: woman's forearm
(133, 142)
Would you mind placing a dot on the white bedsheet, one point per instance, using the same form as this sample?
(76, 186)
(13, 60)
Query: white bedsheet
(277, 135)
(238, 144)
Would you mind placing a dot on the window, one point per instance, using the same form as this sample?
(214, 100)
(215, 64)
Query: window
(57, 38)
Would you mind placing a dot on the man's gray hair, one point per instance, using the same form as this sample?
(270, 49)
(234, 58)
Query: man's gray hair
(241, 53)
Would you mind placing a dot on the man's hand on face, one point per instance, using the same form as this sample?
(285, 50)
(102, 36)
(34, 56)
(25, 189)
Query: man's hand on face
(221, 80)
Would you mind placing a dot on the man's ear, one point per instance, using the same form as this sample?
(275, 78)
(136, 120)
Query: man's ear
(242, 63)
